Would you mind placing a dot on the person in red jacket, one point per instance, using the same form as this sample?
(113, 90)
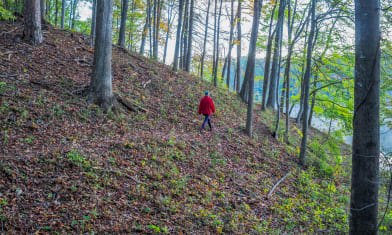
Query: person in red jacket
(206, 107)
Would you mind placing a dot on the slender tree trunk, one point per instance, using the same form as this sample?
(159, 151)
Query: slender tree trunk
(190, 34)
(93, 23)
(272, 94)
(215, 44)
(230, 45)
(302, 155)
(184, 38)
(43, 6)
(145, 29)
(124, 15)
(267, 62)
(313, 102)
(205, 42)
(74, 7)
(250, 65)
(156, 35)
(301, 99)
(150, 30)
(32, 22)
(62, 13)
(169, 25)
(366, 121)
(217, 48)
(238, 70)
(178, 37)
(56, 13)
(101, 79)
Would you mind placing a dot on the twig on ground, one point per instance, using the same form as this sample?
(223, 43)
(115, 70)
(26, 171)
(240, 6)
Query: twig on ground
(276, 185)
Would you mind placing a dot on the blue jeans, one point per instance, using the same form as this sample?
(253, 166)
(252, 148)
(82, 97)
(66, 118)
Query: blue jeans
(206, 119)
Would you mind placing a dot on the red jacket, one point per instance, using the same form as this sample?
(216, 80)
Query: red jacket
(206, 105)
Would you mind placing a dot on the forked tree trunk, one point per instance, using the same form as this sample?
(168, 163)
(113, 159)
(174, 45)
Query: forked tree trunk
(366, 121)
(101, 79)
(32, 29)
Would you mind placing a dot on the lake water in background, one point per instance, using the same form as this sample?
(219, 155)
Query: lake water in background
(317, 122)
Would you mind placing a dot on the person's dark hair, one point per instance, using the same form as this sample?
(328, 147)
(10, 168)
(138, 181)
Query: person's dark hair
(206, 93)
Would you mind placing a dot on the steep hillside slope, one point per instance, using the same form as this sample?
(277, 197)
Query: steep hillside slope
(67, 167)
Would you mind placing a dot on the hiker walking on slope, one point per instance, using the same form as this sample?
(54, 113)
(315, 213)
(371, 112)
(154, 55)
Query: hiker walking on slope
(206, 107)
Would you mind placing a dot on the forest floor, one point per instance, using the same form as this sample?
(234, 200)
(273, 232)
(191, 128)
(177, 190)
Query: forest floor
(67, 167)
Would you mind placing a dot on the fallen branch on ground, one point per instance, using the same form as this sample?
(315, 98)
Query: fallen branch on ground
(276, 185)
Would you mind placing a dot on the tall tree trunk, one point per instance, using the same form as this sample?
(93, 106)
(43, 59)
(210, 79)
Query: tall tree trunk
(190, 34)
(62, 13)
(230, 45)
(250, 65)
(238, 70)
(124, 14)
(268, 61)
(75, 6)
(184, 38)
(169, 25)
(56, 13)
(150, 30)
(313, 102)
(156, 31)
(43, 6)
(302, 155)
(205, 42)
(366, 121)
(272, 94)
(145, 29)
(32, 22)
(215, 44)
(178, 37)
(217, 48)
(93, 23)
(101, 79)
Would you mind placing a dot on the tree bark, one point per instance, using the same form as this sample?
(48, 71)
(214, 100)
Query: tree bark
(366, 120)
(75, 4)
(101, 80)
(169, 25)
(190, 34)
(56, 13)
(62, 14)
(250, 65)
(93, 23)
(178, 37)
(124, 14)
(145, 29)
(32, 22)
(302, 156)
(43, 6)
(238, 70)
(230, 45)
(267, 62)
(217, 47)
(272, 94)
(205, 42)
